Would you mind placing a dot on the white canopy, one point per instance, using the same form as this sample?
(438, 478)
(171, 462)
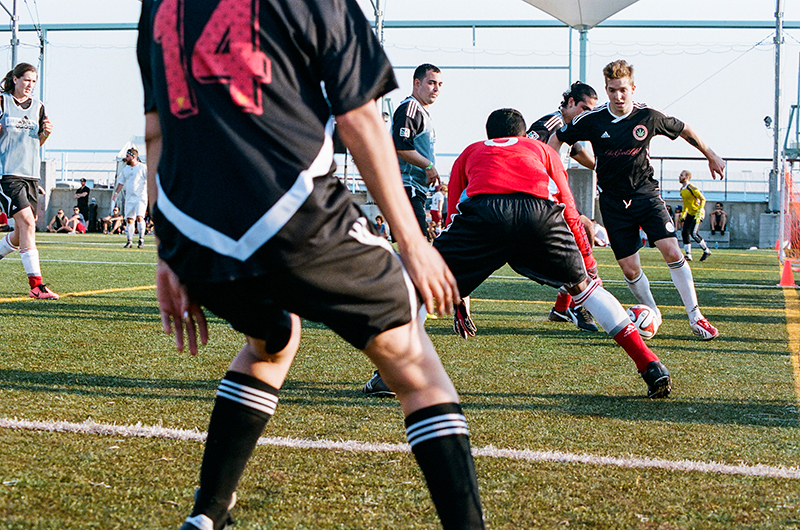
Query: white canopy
(581, 14)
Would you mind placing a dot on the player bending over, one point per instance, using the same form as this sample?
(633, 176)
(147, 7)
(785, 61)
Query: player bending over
(508, 215)
(620, 132)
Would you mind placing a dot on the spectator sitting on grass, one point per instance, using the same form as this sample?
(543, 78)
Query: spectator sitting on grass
(59, 223)
(77, 223)
(114, 221)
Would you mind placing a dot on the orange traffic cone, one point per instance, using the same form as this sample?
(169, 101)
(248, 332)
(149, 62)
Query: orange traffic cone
(787, 276)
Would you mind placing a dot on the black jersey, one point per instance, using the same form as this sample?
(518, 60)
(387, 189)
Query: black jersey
(245, 91)
(622, 146)
(543, 128)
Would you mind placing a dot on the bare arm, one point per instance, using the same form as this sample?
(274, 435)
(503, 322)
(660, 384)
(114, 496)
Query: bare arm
(173, 300)
(414, 158)
(364, 133)
(715, 163)
(584, 158)
(47, 128)
(556, 144)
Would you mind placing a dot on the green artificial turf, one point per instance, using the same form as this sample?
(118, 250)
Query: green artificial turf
(99, 354)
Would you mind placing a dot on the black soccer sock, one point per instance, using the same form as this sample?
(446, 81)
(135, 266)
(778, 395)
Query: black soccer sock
(243, 406)
(439, 439)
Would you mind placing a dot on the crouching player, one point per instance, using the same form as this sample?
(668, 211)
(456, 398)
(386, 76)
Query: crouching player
(507, 215)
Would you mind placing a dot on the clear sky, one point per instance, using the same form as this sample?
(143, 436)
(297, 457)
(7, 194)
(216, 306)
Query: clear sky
(719, 81)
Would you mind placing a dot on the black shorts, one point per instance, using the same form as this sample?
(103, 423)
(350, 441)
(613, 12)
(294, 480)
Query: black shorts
(357, 287)
(623, 217)
(17, 193)
(528, 233)
(418, 200)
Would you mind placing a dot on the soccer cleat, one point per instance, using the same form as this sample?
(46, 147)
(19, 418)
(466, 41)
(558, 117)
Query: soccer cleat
(375, 387)
(703, 329)
(688, 257)
(559, 316)
(141, 243)
(659, 383)
(463, 325)
(582, 318)
(706, 254)
(128, 245)
(203, 522)
(42, 293)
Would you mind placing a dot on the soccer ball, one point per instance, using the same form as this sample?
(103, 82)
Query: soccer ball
(645, 320)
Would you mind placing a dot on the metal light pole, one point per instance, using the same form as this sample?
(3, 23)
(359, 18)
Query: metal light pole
(774, 190)
(14, 30)
(584, 37)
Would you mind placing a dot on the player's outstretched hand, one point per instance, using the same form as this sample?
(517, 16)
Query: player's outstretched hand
(177, 309)
(462, 322)
(717, 166)
(431, 276)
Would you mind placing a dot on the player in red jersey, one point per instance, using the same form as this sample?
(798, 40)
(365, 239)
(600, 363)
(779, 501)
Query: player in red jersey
(502, 210)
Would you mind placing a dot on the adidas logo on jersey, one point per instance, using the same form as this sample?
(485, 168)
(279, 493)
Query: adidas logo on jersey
(605, 135)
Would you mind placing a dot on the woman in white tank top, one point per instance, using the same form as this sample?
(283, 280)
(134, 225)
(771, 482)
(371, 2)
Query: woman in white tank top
(24, 127)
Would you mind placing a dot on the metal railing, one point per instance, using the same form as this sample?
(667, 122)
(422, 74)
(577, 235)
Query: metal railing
(746, 179)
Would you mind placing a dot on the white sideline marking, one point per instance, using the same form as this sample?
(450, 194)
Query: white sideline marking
(89, 262)
(156, 431)
(667, 282)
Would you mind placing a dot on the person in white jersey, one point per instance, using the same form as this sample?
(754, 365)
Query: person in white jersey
(24, 127)
(133, 177)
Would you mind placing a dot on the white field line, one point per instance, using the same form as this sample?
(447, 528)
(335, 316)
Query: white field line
(156, 431)
(89, 262)
(667, 282)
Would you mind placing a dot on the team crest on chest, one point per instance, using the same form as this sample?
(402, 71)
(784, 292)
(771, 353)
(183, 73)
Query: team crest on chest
(640, 132)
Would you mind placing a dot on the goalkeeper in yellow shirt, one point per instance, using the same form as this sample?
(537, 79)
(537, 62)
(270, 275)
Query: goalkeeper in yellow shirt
(693, 213)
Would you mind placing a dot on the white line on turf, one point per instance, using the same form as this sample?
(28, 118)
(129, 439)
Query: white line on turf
(89, 262)
(157, 431)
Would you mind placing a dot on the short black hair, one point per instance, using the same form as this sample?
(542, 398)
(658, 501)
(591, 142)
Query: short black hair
(423, 69)
(503, 123)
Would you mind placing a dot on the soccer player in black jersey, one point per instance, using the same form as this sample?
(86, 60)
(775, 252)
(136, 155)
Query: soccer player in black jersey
(234, 103)
(579, 98)
(620, 132)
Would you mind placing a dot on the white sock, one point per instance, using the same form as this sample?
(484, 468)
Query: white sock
(687, 248)
(30, 260)
(605, 309)
(684, 282)
(703, 245)
(140, 226)
(640, 287)
(129, 231)
(6, 247)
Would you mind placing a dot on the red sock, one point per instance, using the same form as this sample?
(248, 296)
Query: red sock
(562, 302)
(34, 281)
(634, 346)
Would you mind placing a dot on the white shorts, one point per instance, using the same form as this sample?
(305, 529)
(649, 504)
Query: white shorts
(135, 206)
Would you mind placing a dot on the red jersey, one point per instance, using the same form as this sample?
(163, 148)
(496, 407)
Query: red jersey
(515, 165)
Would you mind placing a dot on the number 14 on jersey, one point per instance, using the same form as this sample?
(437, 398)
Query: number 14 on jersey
(227, 52)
